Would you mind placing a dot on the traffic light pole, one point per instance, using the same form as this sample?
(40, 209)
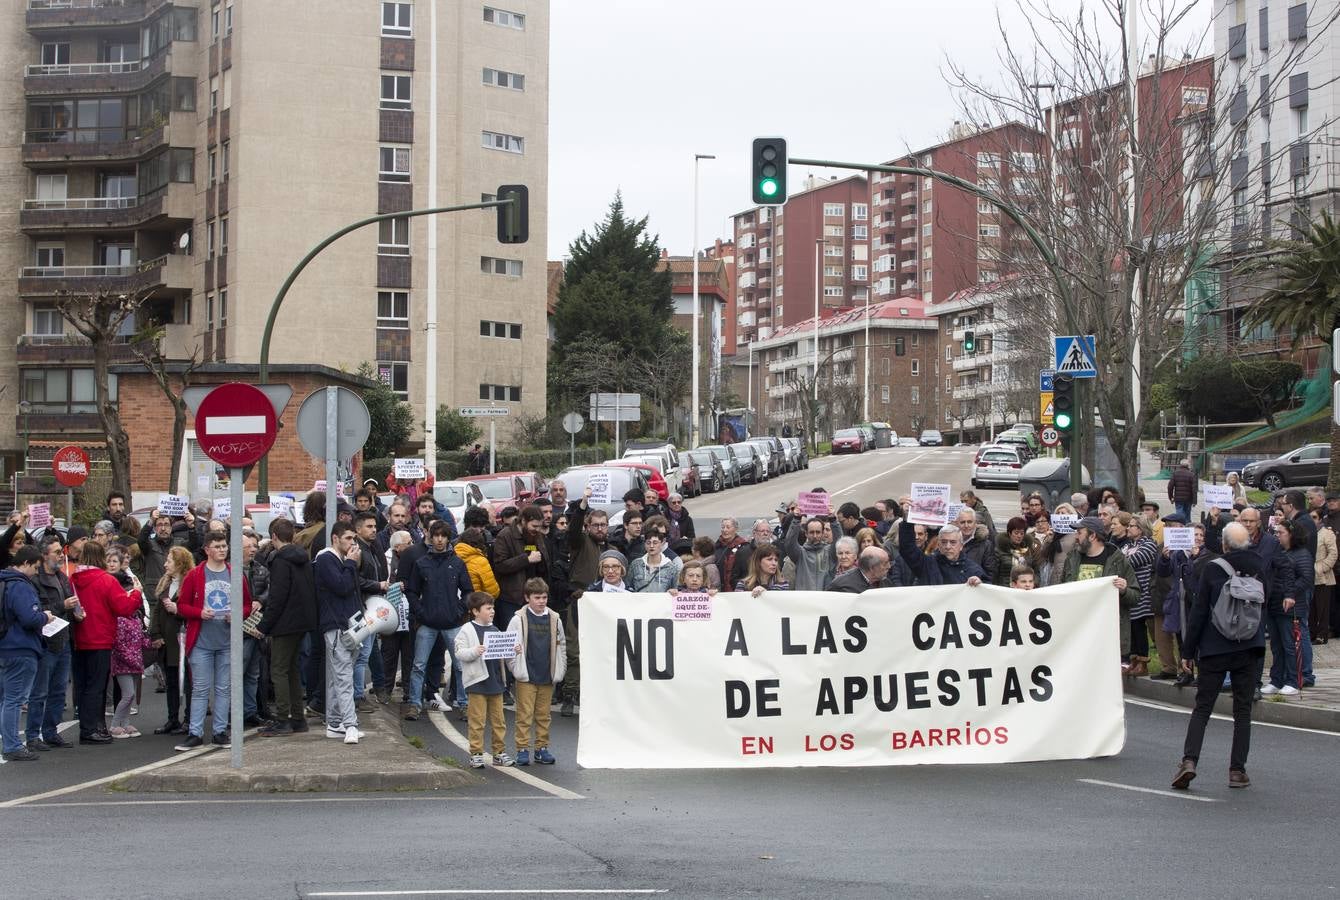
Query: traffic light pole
(1015, 215)
(263, 468)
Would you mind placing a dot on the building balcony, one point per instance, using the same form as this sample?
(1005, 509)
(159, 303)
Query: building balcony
(61, 146)
(908, 196)
(910, 263)
(39, 217)
(49, 14)
(978, 329)
(909, 284)
(94, 78)
(70, 349)
(785, 364)
(170, 272)
(909, 219)
(973, 391)
(972, 362)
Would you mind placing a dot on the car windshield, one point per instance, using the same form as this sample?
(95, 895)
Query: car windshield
(930, 434)
(847, 433)
(449, 495)
(497, 489)
(998, 456)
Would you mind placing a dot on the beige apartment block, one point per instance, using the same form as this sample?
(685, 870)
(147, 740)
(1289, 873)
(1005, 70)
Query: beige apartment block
(193, 152)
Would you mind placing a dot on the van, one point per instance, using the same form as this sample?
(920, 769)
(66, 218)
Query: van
(664, 457)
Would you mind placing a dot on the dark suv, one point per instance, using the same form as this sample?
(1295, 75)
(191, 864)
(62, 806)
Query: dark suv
(1309, 464)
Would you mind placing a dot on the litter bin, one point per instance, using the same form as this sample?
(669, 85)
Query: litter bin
(1050, 478)
(883, 434)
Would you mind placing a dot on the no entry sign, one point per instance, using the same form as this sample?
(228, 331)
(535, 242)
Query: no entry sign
(70, 466)
(235, 424)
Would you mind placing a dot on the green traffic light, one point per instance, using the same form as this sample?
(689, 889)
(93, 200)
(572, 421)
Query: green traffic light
(768, 186)
(1063, 421)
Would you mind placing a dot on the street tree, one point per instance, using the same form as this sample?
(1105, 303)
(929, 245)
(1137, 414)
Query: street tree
(454, 430)
(173, 377)
(392, 418)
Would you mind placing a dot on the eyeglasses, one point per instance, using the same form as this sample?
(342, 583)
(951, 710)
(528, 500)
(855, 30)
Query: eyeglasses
(609, 567)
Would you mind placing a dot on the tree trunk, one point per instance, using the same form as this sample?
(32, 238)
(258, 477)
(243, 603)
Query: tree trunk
(118, 442)
(178, 441)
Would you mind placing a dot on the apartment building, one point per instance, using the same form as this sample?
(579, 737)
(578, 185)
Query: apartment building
(713, 289)
(190, 153)
(900, 339)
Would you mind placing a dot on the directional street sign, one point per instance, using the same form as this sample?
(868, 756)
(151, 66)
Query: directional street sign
(1076, 356)
(1045, 380)
(1048, 411)
(471, 412)
(1050, 437)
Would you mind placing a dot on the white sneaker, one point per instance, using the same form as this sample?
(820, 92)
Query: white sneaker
(334, 732)
(477, 761)
(1269, 690)
(435, 703)
(1289, 691)
(351, 735)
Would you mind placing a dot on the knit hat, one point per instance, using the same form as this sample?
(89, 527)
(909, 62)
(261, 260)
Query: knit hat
(1093, 524)
(75, 533)
(616, 556)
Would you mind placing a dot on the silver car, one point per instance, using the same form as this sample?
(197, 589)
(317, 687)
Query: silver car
(730, 462)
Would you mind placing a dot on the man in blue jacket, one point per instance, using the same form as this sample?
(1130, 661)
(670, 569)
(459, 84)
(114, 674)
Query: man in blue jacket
(1219, 655)
(21, 647)
(437, 589)
(946, 565)
(337, 597)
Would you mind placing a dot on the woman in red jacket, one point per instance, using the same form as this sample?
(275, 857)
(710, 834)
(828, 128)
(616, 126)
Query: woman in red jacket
(102, 600)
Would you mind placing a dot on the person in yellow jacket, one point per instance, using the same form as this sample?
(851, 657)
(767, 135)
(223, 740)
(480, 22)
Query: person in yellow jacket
(473, 551)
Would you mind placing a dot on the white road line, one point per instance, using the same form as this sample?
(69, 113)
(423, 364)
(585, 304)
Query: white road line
(1176, 795)
(1183, 711)
(880, 475)
(368, 798)
(507, 892)
(441, 724)
(73, 788)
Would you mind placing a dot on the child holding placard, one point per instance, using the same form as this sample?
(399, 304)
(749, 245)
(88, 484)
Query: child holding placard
(484, 683)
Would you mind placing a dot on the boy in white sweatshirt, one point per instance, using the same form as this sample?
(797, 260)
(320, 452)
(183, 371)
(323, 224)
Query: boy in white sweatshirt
(484, 682)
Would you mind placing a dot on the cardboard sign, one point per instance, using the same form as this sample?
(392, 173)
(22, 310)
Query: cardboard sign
(500, 644)
(930, 504)
(39, 515)
(281, 507)
(408, 469)
(599, 483)
(173, 504)
(1179, 538)
(321, 486)
(1220, 495)
(814, 503)
(223, 508)
(1064, 523)
(692, 607)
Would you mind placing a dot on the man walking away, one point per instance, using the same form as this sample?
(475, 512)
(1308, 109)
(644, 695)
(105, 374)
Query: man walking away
(1182, 488)
(290, 613)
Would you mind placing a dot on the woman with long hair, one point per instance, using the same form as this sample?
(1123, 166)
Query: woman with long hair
(101, 600)
(164, 630)
(765, 572)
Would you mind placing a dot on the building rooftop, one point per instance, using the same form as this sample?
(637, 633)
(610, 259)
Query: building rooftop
(899, 308)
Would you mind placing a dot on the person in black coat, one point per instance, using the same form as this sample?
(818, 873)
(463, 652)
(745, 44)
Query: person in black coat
(1217, 655)
(873, 570)
(290, 613)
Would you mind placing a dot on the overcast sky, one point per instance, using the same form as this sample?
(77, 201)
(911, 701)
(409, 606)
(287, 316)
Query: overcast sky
(639, 86)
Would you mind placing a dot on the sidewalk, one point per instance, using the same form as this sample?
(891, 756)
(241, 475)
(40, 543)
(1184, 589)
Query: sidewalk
(383, 760)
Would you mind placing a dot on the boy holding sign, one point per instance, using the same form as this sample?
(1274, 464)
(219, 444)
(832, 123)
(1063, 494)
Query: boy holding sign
(484, 683)
(541, 661)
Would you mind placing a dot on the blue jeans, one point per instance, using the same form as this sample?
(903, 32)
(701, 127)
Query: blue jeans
(1184, 509)
(46, 706)
(1283, 662)
(424, 639)
(211, 671)
(251, 674)
(16, 682)
(364, 655)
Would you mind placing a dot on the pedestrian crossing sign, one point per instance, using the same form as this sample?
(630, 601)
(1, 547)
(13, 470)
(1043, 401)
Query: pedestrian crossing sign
(1075, 356)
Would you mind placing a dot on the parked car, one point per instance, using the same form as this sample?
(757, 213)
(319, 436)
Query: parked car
(1030, 436)
(802, 453)
(669, 464)
(1016, 439)
(1308, 464)
(501, 489)
(707, 468)
(753, 464)
(792, 448)
(848, 440)
(867, 436)
(908, 442)
(730, 461)
(998, 465)
(622, 479)
(457, 496)
(655, 480)
(771, 448)
(931, 438)
(689, 483)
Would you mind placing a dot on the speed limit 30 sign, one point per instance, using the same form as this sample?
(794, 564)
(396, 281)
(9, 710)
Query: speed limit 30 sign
(1050, 437)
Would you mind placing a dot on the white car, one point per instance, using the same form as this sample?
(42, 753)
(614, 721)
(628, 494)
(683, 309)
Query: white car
(458, 496)
(997, 465)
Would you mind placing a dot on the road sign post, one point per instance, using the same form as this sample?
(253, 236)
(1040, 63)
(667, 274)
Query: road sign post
(236, 425)
(1050, 437)
(572, 423)
(1076, 356)
(492, 412)
(1045, 377)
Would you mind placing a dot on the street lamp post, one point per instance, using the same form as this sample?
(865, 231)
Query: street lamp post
(25, 408)
(695, 417)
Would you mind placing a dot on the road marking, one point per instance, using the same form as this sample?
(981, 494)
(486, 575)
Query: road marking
(370, 798)
(73, 788)
(513, 892)
(880, 475)
(441, 724)
(1182, 710)
(1176, 795)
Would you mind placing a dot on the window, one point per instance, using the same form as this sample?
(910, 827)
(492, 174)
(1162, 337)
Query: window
(1240, 208)
(985, 206)
(916, 367)
(47, 319)
(395, 375)
(926, 230)
(397, 19)
(834, 231)
(63, 391)
(834, 291)
(393, 309)
(505, 393)
(214, 22)
(393, 237)
(492, 266)
(914, 395)
(988, 231)
(858, 273)
(395, 92)
(859, 233)
(833, 209)
(926, 207)
(832, 271)
(223, 235)
(56, 54)
(213, 157)
(209, 239)
(501, 79)
(509, 143)
(505, 19)
(832, 250)
(916, 340)
(223, 308)
(926, 274)
(899, 349)
(860, 212)
(228, 18)
(1300, 121)
(214, 95)
(209, 312)
(884, 393)
(225, 160)
(394, 165)
(51, 187)
(508, 330)
(926, 252)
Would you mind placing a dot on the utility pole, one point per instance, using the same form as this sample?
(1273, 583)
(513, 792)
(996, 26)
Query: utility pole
(695, 416)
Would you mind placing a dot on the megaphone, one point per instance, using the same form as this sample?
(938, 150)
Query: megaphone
(379, 616)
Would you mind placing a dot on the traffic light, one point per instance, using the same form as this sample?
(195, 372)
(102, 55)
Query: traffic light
(514, 218)
(1063, 404)
(969, 342)
(769, 167)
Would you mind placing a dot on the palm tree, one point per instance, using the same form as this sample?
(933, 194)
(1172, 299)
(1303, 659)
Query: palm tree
(1306, 301)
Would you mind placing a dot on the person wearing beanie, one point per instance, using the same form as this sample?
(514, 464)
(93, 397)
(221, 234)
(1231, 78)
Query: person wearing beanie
(613, 571)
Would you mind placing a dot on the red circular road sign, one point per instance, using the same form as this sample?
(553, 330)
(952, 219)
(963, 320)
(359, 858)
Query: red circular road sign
(235, 424)
(1050, 437)
(70, 466)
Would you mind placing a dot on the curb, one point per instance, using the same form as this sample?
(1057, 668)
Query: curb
(241, 782)
(1292, 713)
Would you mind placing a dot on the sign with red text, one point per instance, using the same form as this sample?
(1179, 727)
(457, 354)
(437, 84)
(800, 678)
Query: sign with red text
(898, 676)
(70, 466)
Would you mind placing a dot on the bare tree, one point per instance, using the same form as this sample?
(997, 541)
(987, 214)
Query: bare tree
(172, 379)
(1131, 198)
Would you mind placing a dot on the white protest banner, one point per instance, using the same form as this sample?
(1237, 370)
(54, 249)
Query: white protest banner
(1064, 523)
(897, 676)
(692, 606)
(500, 644)
(39, 515)
(599, 483)
(408, 469)
(173, 504)
(814, 503)
(1220, 495)
(281, 507)
(930, 504)
(223, 508)
(1179, 538)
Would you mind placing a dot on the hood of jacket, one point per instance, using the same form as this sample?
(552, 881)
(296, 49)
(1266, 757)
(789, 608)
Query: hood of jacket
(293, 554)
(468, 552)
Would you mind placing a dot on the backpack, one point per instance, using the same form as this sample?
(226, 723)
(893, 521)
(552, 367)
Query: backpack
(1236, 613)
